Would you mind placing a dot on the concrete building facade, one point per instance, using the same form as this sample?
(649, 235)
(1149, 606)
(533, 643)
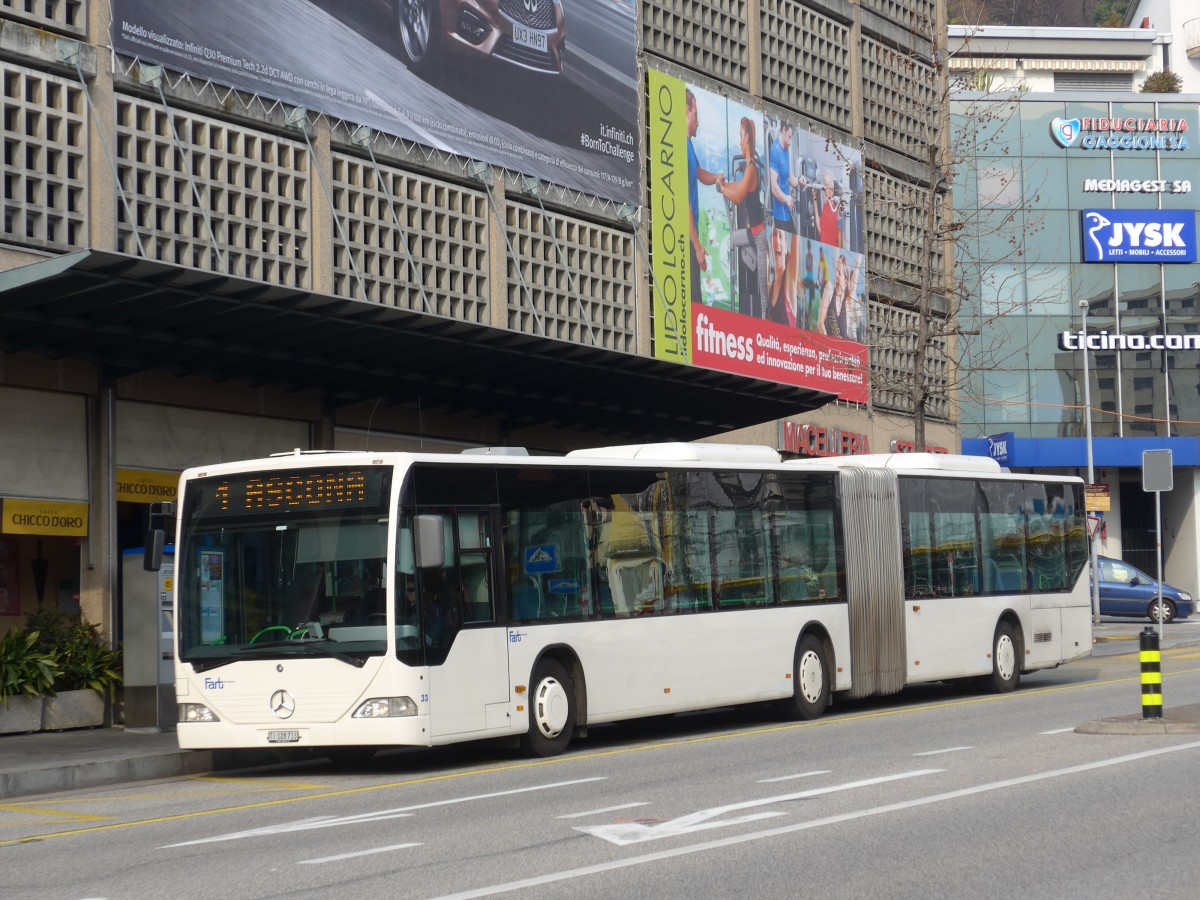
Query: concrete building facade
(192, 271)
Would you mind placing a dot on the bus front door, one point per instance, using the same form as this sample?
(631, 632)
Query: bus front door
(469, 691)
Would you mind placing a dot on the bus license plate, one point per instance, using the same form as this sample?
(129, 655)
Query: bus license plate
(283, 737)
(527, 37)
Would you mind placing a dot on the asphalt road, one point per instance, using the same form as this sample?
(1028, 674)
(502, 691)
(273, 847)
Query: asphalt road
(933, 793)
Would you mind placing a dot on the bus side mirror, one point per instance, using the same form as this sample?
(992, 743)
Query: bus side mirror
(152, 560)
(161, 514)
(430, 544)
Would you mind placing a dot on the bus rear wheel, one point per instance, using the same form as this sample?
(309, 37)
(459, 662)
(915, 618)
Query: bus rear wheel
(551, 710)
(810, 676)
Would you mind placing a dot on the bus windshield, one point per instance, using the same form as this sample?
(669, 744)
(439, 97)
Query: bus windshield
(283, 564)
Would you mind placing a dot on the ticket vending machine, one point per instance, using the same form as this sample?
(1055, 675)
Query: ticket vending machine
(149, 653)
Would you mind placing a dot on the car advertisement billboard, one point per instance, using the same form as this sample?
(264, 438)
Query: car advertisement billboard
(1138, 235)
(547, 88)
(758, 239)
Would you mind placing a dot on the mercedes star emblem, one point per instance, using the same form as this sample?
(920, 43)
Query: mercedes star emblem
(282, 705)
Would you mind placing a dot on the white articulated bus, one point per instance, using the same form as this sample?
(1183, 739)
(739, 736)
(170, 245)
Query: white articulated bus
(350, 601)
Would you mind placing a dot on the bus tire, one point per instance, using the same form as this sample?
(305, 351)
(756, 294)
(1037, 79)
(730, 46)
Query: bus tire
(810, 675)
(1006, 661)
(551, 710)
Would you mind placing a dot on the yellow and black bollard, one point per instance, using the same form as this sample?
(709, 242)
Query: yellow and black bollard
(1151, 674)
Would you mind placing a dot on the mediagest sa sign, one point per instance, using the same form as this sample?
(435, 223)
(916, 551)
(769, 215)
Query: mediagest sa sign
(1138, 235)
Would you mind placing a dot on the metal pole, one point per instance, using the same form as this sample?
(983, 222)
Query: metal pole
(1158, 555)
(1091, 470)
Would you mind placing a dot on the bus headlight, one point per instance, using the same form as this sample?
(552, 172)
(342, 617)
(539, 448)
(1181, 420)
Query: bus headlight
(196, 712)
(382, 707)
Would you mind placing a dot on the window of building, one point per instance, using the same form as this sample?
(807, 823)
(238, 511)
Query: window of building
(1098, 82)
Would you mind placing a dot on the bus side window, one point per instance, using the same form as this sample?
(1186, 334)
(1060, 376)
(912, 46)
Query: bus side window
(526, 598)
(637, 586)
(474, 561)
(477, 592)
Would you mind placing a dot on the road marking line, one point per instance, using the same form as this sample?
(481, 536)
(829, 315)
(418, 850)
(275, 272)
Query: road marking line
(596, 812)
(945, 750)
(622, 833)
(267, 784)
(380, 815)
(325, 859)
(288, 827)
(791, 777)
(802, 826)
(1059, 730)
(58, 813)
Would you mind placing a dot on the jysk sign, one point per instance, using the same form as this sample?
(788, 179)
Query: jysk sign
(1138, 235)
(1000, 446)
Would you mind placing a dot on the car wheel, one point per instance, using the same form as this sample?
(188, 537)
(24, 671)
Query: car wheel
(810, 677)
(551, 710)
(418, 24)
(1168, 611)
(1006, 661)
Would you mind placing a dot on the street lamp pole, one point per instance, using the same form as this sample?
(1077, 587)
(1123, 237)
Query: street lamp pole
(1091, 470)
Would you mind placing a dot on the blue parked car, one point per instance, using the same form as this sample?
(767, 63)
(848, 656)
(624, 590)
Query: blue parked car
(1128, 591)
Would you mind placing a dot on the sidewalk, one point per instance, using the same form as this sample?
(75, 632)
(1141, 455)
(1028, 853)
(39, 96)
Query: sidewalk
(48, 761)
(45, 762)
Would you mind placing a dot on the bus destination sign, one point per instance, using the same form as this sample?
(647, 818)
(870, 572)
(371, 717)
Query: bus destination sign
(304, 490)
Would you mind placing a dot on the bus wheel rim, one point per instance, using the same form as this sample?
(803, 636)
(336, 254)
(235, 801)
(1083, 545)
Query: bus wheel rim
(551, 707)
(812, 677)
(1006, 656)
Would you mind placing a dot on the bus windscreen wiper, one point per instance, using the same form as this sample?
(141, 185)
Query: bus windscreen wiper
(206, 665)
(307, 648)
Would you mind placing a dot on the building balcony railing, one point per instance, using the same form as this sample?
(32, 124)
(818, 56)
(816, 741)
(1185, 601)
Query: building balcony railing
(1191, 38)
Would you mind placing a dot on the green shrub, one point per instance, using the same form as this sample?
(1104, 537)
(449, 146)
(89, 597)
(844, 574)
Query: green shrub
(85, 661)
(1164, 82)
(25, 669)
(52, 628)
(83, 658)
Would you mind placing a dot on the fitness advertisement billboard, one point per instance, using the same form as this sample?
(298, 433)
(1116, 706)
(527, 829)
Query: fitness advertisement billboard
(758, 240)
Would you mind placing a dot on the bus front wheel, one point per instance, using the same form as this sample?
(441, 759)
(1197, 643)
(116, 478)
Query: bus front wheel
(551, 710)
(811, 680)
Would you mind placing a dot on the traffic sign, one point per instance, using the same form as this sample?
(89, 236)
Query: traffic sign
(1157, 474)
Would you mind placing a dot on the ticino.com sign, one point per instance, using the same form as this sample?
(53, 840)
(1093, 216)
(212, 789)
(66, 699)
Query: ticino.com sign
(1102, 340)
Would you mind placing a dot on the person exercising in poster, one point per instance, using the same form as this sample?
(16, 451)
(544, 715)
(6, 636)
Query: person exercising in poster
(697, 175)
(744, 192)
(785, 241)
